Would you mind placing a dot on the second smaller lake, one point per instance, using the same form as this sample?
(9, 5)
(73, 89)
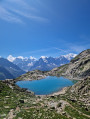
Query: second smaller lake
(46, 86)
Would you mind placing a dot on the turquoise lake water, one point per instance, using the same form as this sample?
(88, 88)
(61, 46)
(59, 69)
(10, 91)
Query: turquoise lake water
(46, 86)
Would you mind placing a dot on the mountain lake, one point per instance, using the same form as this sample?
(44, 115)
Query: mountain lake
(49, 85)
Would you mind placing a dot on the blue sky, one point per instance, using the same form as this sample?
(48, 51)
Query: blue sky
(44, 27)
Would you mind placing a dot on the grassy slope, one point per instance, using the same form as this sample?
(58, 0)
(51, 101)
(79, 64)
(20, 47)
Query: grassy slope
(26, 106)
(11, 104)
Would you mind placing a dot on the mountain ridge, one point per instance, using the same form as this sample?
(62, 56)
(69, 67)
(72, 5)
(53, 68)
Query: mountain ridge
(78, 68)
(43, 63)
(9, 70)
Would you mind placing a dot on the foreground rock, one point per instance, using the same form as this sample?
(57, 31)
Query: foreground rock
(80, 93)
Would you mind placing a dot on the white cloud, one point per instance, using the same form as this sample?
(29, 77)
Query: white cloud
(77, 48)
(28, 15)
(38, 51)
(7, 16)
(61, 50)
(15, 10)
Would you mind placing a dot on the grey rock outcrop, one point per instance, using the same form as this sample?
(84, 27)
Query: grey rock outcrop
(78, 68)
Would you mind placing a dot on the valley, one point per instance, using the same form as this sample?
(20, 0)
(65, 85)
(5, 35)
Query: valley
(73, 103)
(44, 59)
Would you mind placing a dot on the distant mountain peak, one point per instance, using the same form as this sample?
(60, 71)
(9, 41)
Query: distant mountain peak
(30, 64)
(33, 58)
(21, 57)
(43, 57)
(70, 56)
(11, 58)
(43, 63)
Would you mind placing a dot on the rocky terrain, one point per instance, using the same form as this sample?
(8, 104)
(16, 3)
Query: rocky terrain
(79, 95)
(72, 103)
(78, 68)
(17, 103)
(75, 102)
(33, 75)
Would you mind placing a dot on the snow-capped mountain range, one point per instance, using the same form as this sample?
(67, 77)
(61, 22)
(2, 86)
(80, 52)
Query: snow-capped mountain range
(23, 62)
(43, 63)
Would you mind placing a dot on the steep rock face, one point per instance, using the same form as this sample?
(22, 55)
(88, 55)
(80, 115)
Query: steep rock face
(80, 93)
(81, 87)
(79, 67)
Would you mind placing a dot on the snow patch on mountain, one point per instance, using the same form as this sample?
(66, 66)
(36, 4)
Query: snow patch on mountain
(44, 63)
(11, 58)
(32, 58)
(43, 57)
(30, 64)
(22, 58)
(70, 56)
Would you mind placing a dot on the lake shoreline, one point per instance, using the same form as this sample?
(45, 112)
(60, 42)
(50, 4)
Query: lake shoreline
(57, 92)
(43, 77)
(60, 92)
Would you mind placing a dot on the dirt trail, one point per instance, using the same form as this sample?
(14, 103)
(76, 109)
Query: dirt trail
(78, 110)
